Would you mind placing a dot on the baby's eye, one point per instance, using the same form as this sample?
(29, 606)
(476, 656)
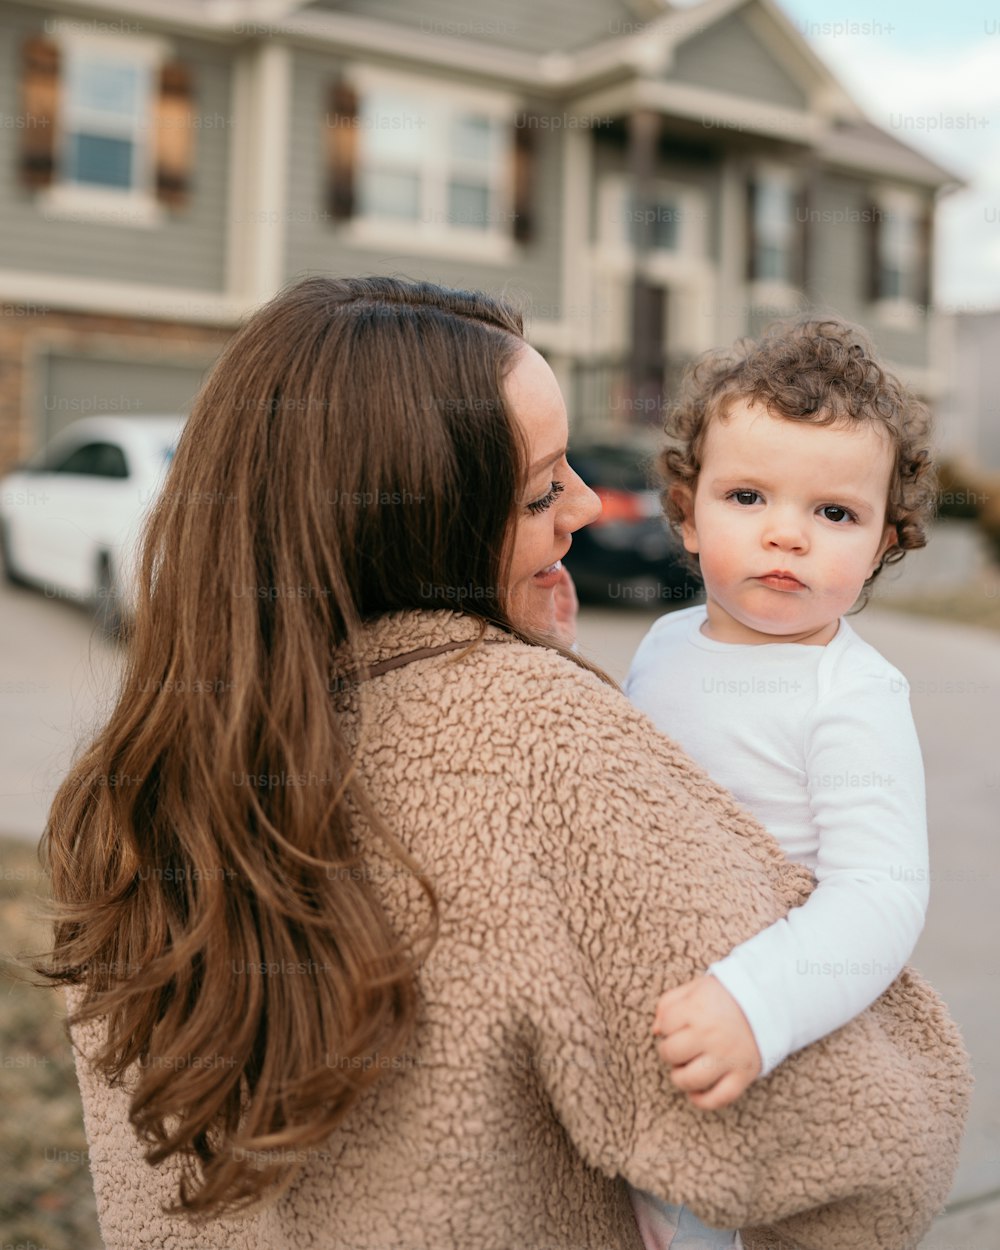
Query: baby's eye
(835, 512)
(744, 497)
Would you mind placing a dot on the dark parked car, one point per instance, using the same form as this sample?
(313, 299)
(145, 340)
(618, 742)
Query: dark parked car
(629, 554)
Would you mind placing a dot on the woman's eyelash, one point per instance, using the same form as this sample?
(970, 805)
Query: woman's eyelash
(546, 501)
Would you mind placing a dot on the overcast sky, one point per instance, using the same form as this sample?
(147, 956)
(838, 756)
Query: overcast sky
(928, 72)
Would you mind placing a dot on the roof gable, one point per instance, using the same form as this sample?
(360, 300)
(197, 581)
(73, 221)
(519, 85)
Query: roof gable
(732, 57)
(534, 26)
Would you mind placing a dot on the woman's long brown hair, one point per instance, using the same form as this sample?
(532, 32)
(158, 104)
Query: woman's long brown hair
(349, 455)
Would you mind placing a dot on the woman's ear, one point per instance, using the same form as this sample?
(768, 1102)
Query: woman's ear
(682, 499)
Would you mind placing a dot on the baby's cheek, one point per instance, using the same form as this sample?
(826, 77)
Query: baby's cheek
(720, 566)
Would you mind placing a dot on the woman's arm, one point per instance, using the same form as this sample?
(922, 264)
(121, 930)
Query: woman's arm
(656, 873)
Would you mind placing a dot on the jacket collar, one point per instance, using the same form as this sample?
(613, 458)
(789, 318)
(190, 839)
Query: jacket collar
(397, 633)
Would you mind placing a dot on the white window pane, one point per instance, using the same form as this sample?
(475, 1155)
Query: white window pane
(395, 128)
(899, 237)
(774, 208)
(472, 138)
(105, 86)
(892, 284)
(772, 263)
(468, 205)
(665, 227)
(99, 160)
(390, 193)
(663, 219)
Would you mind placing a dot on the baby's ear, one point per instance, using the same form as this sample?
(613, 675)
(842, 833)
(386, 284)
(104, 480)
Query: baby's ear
(890, 537)
(682, 499)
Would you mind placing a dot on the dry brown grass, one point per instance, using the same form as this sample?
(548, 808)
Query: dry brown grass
(46, 1198)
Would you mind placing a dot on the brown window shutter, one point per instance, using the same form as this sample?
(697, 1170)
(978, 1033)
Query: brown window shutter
(174, 126)
(751, 230)
(341, 151)
(925, 266)
(40, 110)
(873, 259)
(523, 156)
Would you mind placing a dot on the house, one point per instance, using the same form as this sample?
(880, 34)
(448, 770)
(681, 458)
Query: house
(647, 182)
(969, 410)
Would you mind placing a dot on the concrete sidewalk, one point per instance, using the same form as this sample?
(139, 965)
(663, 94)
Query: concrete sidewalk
(954, 673)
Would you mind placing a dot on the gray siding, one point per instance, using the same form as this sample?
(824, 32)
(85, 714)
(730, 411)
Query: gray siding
(186, 250)
(729, 57)
(523, 25)
(839, 250)
(315, 244)
(974, 403)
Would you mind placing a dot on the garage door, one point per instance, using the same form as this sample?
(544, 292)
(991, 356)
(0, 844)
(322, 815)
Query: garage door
(74, 386)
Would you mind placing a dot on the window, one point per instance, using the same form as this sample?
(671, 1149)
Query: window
(899, 252)
(662, 215)
(106, 114)
(433, 162)
(110, 157)
(675, 216)
(773, 232)
(93, 460)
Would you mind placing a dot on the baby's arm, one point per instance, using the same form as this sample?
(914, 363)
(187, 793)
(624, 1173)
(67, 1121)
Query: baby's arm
(811, 972)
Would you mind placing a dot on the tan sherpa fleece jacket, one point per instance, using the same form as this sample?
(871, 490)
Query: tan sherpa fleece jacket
(584, 864)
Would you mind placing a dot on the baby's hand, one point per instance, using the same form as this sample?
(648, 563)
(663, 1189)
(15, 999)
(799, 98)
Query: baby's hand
(706, 1039)
(566, 608)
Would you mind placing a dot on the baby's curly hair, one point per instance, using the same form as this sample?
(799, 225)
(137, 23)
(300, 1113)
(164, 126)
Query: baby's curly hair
(823, 371)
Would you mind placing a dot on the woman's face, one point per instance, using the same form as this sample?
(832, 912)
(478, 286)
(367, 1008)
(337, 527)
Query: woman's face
(555, 501)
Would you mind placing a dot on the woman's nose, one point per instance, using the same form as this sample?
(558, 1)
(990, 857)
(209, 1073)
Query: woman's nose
(581, 507)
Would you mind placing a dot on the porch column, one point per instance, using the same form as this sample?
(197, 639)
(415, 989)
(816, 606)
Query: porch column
(646, 346)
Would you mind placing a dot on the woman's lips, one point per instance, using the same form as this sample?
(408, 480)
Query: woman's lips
(781, 581)
(548, 577)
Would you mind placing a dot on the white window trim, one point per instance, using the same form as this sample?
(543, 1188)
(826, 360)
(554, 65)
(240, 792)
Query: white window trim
(429, 240)
(496, 243)
(132, 206)
(900, 312)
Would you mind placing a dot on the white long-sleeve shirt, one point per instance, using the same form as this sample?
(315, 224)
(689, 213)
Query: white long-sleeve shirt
(819, 743)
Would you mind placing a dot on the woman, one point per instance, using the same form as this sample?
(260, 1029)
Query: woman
(366, 952)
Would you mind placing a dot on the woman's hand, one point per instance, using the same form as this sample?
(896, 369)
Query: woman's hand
(566, 608)
(708, 1043)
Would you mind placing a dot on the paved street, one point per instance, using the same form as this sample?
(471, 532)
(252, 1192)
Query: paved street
(56, 675)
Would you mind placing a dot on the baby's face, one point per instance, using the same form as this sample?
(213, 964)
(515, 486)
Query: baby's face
(788, 521)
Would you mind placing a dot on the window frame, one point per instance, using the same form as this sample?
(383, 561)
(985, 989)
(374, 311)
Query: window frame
(614, 236)
(431, 232)
(900, 310)
(134, 206)
(781, 295)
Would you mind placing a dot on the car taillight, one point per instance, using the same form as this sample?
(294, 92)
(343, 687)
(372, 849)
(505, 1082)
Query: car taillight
(618, 505)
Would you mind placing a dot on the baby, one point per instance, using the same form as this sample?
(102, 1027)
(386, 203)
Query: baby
(797, 468)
